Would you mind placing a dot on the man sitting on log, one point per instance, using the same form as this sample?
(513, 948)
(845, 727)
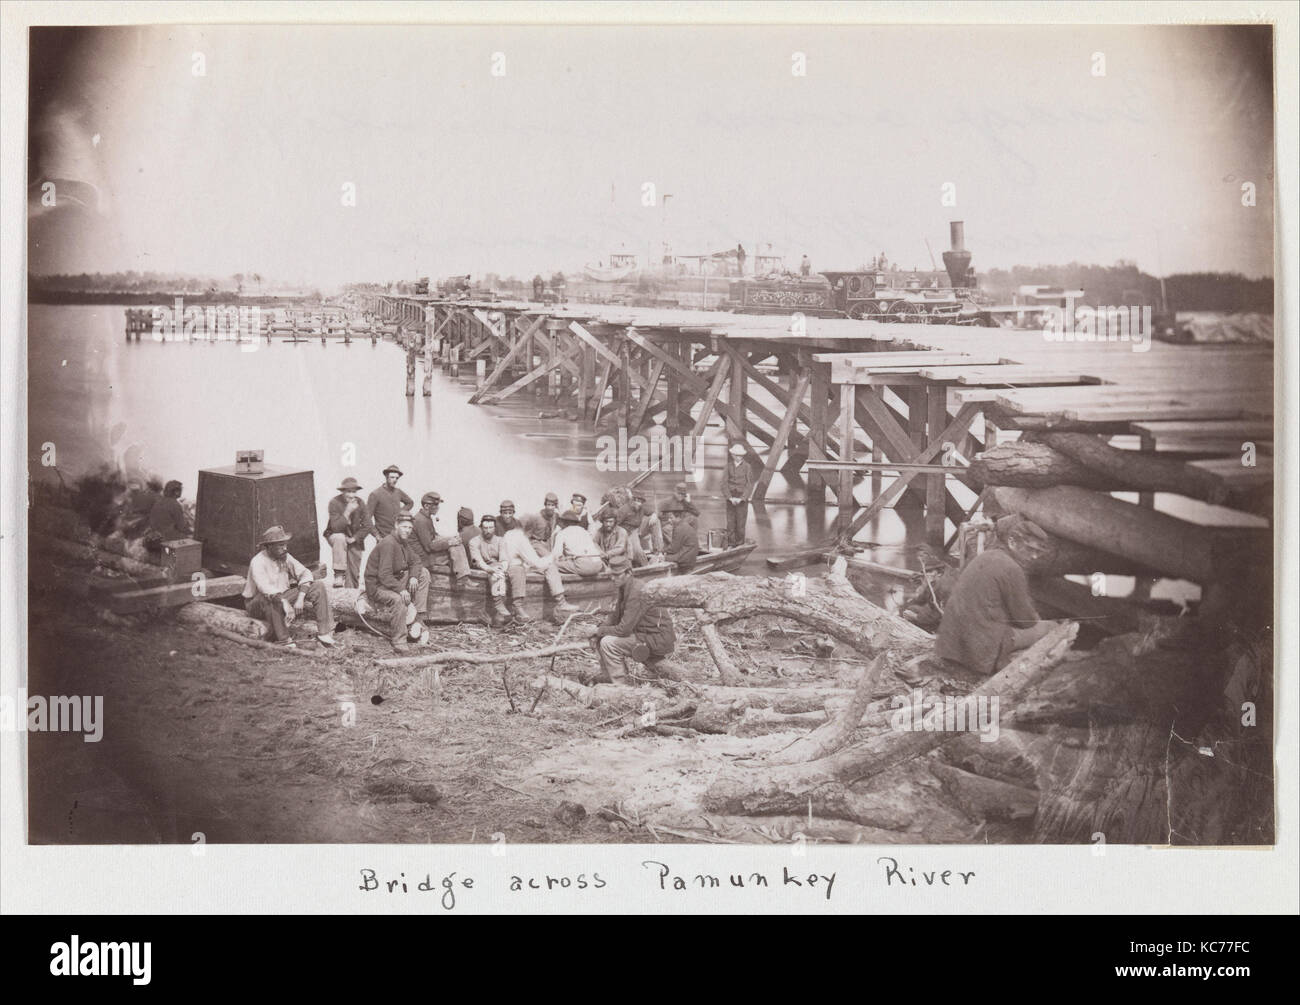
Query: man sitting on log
(681, 540)
(347, 527)
(575, 550)
(682, 499)
(440, 553)
(636, 629)
(520, 557)
(395, 578)
(279, 586)
(990, 615)
(166, 519)
(488, 553)
(614, 542)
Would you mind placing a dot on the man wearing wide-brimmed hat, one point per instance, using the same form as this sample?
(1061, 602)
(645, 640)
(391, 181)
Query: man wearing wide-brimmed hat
(990, 615)
(278, 588)
(395, 578)
(737, 484)
(346, 529)
(387, 501)
(442, 554)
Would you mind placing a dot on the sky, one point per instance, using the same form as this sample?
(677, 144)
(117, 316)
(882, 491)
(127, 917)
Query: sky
(455, 169)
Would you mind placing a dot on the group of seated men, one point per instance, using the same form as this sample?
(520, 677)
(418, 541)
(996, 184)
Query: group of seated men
(625, 531)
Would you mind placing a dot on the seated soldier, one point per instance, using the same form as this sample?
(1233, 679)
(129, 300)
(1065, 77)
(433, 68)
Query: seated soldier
(575, 551)
(279, 586)
(636, 629)
(520, 557)
(614, 542)
(395, 578)
(439, 553)
(487, 552)
(682, 542)
(990, 615)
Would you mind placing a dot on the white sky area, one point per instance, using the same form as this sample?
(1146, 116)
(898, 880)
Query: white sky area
(457, 171)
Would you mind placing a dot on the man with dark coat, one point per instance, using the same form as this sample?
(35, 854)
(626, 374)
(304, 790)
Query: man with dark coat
(990, 615)
(636, 629)
(737, 484)
(395, 578)
(440, 553)
(681, 540)
(387, 501)
(166, 518)
(346, 529)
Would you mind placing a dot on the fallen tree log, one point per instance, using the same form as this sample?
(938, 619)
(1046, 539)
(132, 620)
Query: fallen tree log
(832, 735)
(1155, 540)
(90, 553)
(829, 604)
(1133, 470)
(986, 798)
(823, 784)
(1026, 464)
(462, 656)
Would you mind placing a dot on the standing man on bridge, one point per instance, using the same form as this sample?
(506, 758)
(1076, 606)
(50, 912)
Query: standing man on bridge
(387, 501)
(738, 483)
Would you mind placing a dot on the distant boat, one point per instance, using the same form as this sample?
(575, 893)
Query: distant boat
(620, 269)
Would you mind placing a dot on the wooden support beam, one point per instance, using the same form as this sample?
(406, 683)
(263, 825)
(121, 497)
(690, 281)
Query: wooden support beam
(886, 498)
(936, 488)
(537, 372)
(782, 437)
(848, 399)
(647, 395)
(721, 372)
(517, 351)
(818, 421)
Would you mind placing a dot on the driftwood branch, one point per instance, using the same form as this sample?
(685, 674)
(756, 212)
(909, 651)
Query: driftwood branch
(832, 735)
(823, 784)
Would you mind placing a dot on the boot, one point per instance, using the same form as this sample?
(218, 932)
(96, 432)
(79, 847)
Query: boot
(522, 616)
(562, 605)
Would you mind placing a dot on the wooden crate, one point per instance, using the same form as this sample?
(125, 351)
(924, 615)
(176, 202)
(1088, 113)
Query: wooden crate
(234, 508)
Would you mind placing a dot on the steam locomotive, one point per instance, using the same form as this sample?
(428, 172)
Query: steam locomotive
(878, 293)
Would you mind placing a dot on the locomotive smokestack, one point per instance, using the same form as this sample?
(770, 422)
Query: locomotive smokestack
(957, 261)
(957, 234)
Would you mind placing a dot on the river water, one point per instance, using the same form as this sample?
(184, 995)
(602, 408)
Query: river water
(171, 408)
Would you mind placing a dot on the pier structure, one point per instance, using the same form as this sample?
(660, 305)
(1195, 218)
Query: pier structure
(939, 420)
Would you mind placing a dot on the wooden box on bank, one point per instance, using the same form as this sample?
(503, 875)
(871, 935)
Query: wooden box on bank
(233, 508)
(181, 558)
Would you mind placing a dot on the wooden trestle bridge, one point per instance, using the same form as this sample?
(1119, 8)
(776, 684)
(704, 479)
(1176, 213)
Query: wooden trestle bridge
(826, 401)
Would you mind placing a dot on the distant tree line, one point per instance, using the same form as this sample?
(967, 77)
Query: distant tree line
(1124, 283)
(60, 286)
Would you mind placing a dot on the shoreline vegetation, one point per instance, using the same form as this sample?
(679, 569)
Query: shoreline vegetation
(1121, 283)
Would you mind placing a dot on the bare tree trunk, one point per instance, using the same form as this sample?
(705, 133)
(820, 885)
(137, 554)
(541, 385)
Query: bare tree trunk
(830, 737)
(823, 784)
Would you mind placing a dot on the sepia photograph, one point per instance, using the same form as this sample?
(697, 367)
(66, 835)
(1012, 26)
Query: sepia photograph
(678, 434)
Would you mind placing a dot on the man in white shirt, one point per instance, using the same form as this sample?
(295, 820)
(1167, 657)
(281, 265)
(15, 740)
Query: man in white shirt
(576, 551)
(520, 557)
(278, 588)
